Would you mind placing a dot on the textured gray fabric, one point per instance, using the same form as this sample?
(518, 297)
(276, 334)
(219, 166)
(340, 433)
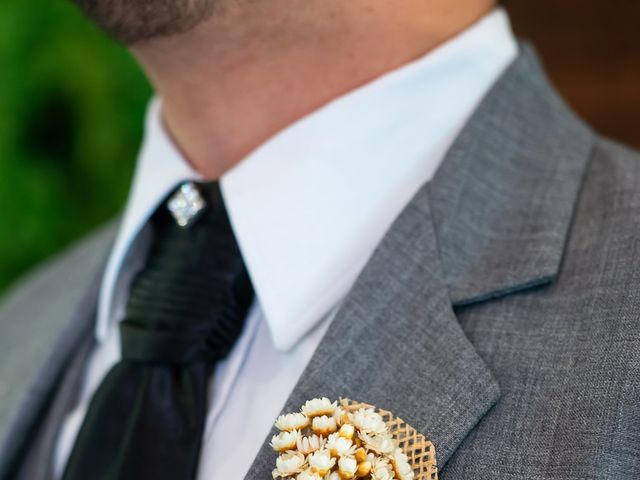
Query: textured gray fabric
(41, 323)
(37, 461)
(504, 196)
(531, 230)
(567, 357)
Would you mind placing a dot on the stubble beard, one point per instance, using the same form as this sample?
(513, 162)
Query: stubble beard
(134, 21)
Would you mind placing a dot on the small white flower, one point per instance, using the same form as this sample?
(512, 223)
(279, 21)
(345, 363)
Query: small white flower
(285, 441)
(308, 475)
(381, 444)
(367, 420)
(292, 421)
(288, 464)
(321, 462)
(319, 406)
(324, 425)
(381, 470)
(333, 476)
(340, 415)
(339, 446)
(401, 466)
(347, 467)
(307, 445)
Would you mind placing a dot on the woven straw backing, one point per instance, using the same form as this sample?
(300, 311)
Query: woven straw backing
(421, 452)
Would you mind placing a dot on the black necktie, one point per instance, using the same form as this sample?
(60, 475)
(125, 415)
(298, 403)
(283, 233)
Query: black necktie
(185, 311)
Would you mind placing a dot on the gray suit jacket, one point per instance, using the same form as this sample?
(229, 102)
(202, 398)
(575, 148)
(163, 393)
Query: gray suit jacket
(500, 315)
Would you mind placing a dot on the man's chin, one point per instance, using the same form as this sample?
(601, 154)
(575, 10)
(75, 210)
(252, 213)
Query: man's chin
(134, 21)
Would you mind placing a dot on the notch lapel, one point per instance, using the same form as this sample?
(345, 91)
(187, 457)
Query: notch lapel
(396, 343)
(504, 196)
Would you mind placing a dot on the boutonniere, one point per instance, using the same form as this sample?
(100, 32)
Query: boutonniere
(349, 441)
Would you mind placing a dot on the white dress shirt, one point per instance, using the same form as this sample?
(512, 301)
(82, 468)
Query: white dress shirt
(308, 208)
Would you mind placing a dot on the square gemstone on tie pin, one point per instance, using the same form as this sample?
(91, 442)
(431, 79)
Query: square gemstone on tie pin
(186, 204)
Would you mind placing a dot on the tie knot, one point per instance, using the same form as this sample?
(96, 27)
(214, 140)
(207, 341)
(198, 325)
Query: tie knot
(189, 302)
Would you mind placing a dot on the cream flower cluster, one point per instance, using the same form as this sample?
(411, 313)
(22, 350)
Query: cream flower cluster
(325, 442)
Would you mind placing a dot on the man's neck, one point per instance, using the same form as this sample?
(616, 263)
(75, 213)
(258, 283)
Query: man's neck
(255, 67)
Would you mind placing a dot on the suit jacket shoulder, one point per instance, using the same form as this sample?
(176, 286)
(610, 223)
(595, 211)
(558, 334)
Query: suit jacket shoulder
(605, 232)
(618, 168)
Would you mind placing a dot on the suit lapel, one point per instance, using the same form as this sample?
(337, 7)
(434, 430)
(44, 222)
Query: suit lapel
(504, 196)
(396, 343)
(42, 324)
(493, 221)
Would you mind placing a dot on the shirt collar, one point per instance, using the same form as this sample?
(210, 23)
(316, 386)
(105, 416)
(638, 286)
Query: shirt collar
(310, 204)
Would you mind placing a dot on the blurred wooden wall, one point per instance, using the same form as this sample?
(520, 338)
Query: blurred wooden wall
(591, 49)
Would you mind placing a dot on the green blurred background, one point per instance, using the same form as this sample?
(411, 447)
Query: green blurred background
(72, 105)
(71, 110)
